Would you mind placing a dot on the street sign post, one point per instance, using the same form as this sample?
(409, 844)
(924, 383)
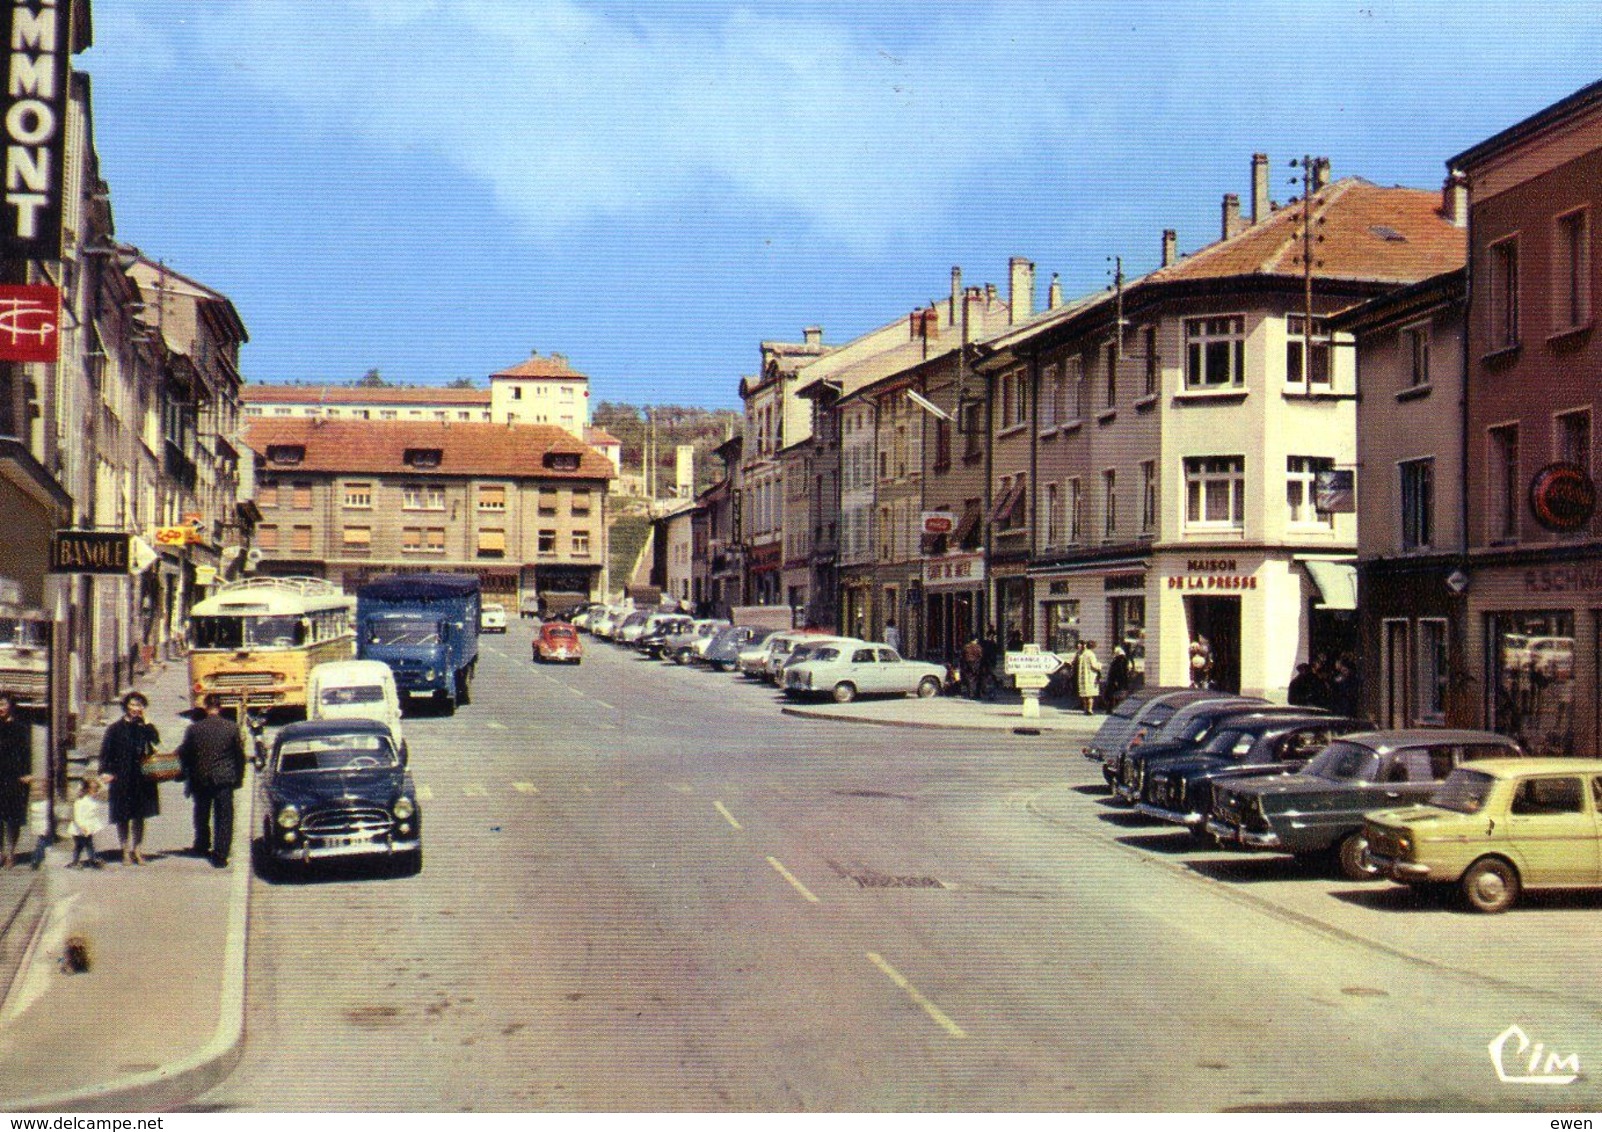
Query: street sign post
(1031, 671)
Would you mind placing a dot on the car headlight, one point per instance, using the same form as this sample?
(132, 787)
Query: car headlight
(429, 674)
(288, 817)
(404, 807)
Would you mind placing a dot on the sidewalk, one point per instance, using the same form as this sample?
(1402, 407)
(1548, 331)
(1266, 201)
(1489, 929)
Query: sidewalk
(159, 1016)
(1003, 713)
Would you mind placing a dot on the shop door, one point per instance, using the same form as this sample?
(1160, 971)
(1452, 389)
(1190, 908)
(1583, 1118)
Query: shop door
(1216, 620)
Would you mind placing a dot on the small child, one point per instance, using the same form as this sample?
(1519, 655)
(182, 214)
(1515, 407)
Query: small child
(38, 818)
(89, 817)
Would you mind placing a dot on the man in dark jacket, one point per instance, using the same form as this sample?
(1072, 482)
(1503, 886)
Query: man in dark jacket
(213, 761)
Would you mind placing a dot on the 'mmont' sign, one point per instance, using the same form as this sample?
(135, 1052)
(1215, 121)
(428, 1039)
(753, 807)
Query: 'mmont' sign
(34, 124)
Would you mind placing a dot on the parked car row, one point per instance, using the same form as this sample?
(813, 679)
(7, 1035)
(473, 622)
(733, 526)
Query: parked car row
(1431, 808)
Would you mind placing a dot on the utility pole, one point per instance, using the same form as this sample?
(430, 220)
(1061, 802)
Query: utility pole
(1118, 306)
(1308, 164)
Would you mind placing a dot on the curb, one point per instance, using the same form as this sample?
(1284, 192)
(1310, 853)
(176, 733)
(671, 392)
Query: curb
(1027, 726)
(172, 1085)
(1312, 923)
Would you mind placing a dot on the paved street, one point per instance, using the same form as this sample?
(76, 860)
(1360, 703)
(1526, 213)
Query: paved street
(645, 889)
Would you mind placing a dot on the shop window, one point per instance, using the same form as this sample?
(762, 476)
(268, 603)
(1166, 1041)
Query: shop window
(1532, 679)
(1062, 626)
(1126, 621)
(1430, 681)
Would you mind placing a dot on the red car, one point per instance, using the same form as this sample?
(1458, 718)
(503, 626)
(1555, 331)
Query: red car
(557, 640)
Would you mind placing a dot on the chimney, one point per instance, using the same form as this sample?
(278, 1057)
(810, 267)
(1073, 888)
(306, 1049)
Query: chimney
(1054, 293)
(1320, 174)
(812, 336)
(1230, 221)
(559, 360)
(956, 295)
(972, 313)
(991, 294)
(1170, 247)
(1020, 289)
(1454, 199)
(1260, 204)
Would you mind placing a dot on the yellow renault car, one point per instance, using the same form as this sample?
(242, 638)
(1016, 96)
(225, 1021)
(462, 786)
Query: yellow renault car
(1497, 827)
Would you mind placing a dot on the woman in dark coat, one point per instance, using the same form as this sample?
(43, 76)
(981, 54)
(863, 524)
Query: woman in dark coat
(133, 796)
(16, 764)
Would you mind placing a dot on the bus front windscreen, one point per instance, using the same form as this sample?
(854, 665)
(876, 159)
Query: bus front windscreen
(248, 632)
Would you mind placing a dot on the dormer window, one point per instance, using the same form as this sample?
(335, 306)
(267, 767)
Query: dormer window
(562, 461)
(286, 455)
(423, 457)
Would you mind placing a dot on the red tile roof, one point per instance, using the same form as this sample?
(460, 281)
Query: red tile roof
(468, 448)
(1393, 235)
(269, 394)
(594, 435)
(536, 366)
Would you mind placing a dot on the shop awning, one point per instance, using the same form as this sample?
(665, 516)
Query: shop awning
(1004, 504)
(1336, 582)
(964, 536)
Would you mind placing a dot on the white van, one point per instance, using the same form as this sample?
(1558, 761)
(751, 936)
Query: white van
(355, 689)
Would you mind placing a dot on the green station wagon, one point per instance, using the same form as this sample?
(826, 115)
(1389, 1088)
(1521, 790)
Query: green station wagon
(1496, 827)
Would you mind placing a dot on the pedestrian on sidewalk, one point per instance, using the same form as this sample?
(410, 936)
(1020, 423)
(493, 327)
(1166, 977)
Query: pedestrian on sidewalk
(1116, 686)
(16, 765)
(212, 759)
(39, 818)
(88, 819)
(1088, 669)
(892, 635)
(134, 797)
(987, 671)
(973, 658)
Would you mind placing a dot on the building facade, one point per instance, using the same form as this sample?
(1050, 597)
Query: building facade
(523, 507)
(1159, 450)
(1533, 573)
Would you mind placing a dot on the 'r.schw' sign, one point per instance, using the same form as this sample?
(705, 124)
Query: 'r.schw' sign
(35, 37)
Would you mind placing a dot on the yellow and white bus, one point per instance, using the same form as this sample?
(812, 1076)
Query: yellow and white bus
(262, 637)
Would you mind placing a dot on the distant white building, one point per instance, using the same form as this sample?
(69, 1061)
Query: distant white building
(541, 391)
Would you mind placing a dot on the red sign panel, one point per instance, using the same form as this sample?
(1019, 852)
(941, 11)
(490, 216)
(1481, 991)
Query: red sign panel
(30, 321)
(1562, 497)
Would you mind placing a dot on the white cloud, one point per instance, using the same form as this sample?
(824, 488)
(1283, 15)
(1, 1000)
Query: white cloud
(572, 115)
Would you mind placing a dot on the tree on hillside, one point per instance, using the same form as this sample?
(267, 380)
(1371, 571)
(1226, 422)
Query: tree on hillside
(461, 383)
(372, 379)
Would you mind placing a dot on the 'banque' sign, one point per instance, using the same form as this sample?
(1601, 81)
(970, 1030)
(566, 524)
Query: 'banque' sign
(37, 47)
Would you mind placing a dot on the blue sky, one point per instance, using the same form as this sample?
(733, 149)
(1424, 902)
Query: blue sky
(437, 187)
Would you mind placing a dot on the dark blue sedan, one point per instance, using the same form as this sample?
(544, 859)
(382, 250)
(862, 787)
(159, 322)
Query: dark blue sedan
(338, 788)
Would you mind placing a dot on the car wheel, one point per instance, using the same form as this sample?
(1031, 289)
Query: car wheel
(844, 693)
(927, 687)
(1352, 858)
(1490, 885)
(1199, 834)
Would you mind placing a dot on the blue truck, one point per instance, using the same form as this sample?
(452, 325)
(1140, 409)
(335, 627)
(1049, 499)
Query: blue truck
(425, 627)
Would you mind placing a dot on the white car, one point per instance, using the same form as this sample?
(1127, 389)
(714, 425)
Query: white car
(845, 670)
(492, 618)
(355, 689)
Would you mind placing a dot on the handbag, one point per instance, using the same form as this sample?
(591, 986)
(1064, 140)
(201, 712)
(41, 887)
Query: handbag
(159, 766)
